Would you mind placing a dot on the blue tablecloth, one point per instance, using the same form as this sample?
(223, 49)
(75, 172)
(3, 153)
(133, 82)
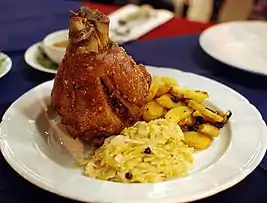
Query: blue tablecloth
(24, 22)
(20, 29)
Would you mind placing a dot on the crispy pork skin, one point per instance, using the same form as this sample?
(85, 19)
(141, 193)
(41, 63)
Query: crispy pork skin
(98, 89)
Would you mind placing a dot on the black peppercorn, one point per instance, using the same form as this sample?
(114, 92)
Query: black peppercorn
(128, 175)
(147, 150)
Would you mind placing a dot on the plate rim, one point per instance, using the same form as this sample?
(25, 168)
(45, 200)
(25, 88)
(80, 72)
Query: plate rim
(30, 63)
(239, 177)
(8, 67)
(221, 59)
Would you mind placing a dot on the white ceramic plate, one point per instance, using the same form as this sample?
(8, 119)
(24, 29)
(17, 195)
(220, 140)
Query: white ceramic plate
(139, 27)
(31, 151)
(5, 67)
(239, 44)
(30, 58)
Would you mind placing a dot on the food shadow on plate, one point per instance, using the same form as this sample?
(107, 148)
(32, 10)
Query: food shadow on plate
(55, 141)
(226, 72)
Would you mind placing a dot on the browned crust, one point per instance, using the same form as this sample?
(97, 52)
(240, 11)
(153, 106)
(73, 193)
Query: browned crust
(98, 88)
(85, 107)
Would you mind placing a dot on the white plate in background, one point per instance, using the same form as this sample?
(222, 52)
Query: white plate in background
(6, 65)
(30, 58)
(231, 157)
(143, 27)
(241, 44)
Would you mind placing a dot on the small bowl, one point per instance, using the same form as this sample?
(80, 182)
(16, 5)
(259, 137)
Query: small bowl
(56, 54)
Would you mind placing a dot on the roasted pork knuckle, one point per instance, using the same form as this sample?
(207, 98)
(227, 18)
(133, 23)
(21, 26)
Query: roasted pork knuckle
(98, 89)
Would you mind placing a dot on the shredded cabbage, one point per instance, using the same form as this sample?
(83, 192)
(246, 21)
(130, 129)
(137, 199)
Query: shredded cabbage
(145, 152)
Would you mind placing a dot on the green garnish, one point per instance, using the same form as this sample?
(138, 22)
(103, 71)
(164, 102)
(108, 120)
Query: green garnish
(43, 60)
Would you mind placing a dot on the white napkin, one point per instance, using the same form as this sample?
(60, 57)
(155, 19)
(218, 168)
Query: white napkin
(137, 28)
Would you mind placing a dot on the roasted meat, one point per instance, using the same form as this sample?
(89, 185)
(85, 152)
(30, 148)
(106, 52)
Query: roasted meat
(98, 89)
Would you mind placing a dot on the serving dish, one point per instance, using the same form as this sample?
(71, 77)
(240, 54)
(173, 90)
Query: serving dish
(32, 150)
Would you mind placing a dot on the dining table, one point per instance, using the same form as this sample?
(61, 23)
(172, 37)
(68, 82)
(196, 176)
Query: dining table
(174, 44)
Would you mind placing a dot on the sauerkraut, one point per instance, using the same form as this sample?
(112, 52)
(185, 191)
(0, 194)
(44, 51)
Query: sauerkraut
(145, 152)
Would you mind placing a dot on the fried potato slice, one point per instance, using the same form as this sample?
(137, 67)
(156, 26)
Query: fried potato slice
(153, 111)
(188, 121)
(204, 111)
(197, 140)
(186, 93)
(163, 90)
(156, 84)
(167, 101)
(209, 130)
(178, 114)
(170, 81)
